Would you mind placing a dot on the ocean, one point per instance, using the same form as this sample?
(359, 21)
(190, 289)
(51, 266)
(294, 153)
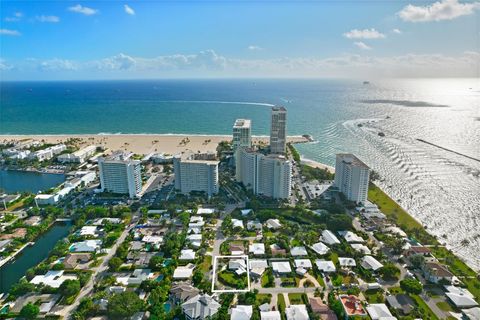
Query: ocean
(439, 187)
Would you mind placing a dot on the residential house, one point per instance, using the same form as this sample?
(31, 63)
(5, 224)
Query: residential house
(379, 311)
(370, 263)
(281, 267)
(53, 278)
(238, 265)
(237, 223)
(329, 238)
(321, 309)
(277, 250)
(183, 272)
(241, 313)
(352, 306)
(346, 262)
(72, 260)
(187, 254)
(460, 297)
(200, 307)
(325, 266)
(320, 248)
(436, 272)
(297, 312)
(401, 303)
(86, 246)
(270, 315)
(273, 224)
(298, 251)
(257, 267)
(181, 292)
(236, 249)
(257, 249)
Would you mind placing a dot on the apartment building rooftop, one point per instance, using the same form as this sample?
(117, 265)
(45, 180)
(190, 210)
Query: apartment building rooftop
(352, 159)
(242, 123)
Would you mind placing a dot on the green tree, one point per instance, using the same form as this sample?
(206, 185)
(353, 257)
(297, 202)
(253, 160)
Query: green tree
(389, 271)
(115, 263)
(156, 263)
(29, 311)
(417, 261)
(69, 288)
(411, 285)
(124, 305)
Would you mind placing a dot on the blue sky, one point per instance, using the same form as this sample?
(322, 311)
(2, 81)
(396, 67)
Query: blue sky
(162, 39)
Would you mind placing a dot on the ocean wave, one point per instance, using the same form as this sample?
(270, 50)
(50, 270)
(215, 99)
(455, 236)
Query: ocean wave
(406, 103)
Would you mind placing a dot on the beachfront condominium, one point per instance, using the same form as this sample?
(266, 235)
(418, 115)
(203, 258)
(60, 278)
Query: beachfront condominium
(352, 177)
(196, 172)
(278, 130)
(242, 134)
(79, 156)
(269, 175)
(120, 174)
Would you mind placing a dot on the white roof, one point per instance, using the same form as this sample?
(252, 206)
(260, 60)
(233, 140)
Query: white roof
(88, 231)
(242, 313)
(325, 266)
(472, 313)
(379, 311)
(237, 223)
(86, 246)
(187, 254)
(361, 248)
(254, 224)
(329, 238)
(298, 251)
(320, 248)
(351, 237)
(270, 315)
(281, 266)
(461, 297)
(152, 239)
(257, 248)
(297, 312)
(273, 223)
(257, 263)
(347, 262)
(303, 263)
(194, 237)
(52, 278)
(396, 230)
(183, 272)
(196, 219)
(370, 263)
(246, 211)
(205, 211)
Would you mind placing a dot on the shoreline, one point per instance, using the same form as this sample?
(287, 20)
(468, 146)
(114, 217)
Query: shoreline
(144, 143)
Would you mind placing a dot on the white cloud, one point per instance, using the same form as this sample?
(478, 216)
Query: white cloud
(9, 32)
(83, 10)
(397, 31)
(129, 10)
(51, 19)
(210, 64)
(364, 34)
(362, 45)
(4, 66)
(17, 16)
(254, 48)
(57, 65)
(437, 11)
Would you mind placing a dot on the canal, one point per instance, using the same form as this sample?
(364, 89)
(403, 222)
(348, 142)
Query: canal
(12, 181)
(11, 272)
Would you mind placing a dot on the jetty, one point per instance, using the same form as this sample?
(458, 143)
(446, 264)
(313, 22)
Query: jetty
(449, 150)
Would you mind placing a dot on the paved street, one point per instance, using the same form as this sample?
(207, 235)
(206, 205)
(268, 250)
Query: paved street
(67, 311)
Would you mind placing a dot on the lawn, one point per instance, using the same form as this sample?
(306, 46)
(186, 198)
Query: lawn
(374, 296)
(281, 302)
(295, 298)
(263, 298)
(444, 306)
(395, 212)
(206, 263)
(424, 308)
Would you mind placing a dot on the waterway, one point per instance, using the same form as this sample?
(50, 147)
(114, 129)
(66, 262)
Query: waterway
(11, 272)
(12, 181)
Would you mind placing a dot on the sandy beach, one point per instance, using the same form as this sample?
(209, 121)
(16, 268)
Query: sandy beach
(316, 164)
(145, 143)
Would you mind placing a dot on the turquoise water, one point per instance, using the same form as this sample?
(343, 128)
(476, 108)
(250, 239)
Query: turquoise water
(438, 187)
(20, 181)
(11, 272)
(167, 306)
